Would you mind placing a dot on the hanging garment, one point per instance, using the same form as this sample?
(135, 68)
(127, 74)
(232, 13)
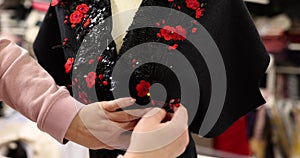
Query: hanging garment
(234, 139)
(211, 76)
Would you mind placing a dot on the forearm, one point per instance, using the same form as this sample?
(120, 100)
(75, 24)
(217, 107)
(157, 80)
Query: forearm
(28, 88)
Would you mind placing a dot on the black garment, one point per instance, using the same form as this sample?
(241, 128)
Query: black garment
(18, 152)
(227, 22)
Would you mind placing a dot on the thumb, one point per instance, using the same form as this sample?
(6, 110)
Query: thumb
(113, 105)
(155, 116)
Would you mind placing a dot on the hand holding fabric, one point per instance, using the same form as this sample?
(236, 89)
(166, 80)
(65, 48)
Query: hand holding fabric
(102, 125)
(151, 138)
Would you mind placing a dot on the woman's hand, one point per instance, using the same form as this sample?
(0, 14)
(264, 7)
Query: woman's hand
(154, 138)
(100, 125)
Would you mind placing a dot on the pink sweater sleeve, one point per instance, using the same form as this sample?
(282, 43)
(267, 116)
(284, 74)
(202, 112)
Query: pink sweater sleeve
(29, 89)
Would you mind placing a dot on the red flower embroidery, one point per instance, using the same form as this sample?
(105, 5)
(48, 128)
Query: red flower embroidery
(90, 79)
(193, 4)
(133, 61)
(180, 33)
(76, 17)
(69, 64)
(87, 23)
(83, 97)
(167, 32)
(199, 13)
(158, 35)
(100, 76)
(105, 83)
(173, 47)
(83, 8)
(142, 88)
(66, 40)
(194, 30)
(91, 61)
(54, 2)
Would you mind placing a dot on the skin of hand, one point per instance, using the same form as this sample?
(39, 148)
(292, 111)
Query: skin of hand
(101, 125)
(153, 123)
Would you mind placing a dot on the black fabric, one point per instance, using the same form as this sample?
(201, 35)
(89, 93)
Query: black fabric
(245, 60)
(244, 55)
(229, 24)
(49, 57)
(18, 152)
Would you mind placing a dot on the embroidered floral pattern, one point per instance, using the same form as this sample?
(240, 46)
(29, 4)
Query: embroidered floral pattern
(82, 15)
(76, 17)
(167, 32)
(69, 64)
(171, 33)
(173, 47)
(143, 88)
(193, 4)
(199, 12)
(83, 8)
(91, 79)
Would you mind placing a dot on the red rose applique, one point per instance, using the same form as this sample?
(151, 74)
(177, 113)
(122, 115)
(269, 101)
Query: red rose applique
(193, 4)
(143, 88)
(194, 30)
(87, 23)
(54, 2)
(83, 97)
(173, 47)
(167, 32)
(83, 8)
(90, 79)
(76, 17)
(100, 76)
(180, 33)
(69, 64)
(177, 33)
(104, 83)
(199, 13)
(91, 61)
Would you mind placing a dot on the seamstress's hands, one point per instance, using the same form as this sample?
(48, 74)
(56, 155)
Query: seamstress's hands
(100, 125)
(151, 138)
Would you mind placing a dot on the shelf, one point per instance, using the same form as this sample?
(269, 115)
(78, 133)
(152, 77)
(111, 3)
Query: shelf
(293, 70)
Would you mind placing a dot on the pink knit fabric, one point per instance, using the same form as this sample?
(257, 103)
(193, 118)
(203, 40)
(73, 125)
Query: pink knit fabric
(28, 88)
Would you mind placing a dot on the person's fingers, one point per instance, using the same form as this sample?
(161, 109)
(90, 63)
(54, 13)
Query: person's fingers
(168, 117)
(127, 115)
(117, 104)
(179, 119)
(180, 113)
(129, 126)
(154, 116)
